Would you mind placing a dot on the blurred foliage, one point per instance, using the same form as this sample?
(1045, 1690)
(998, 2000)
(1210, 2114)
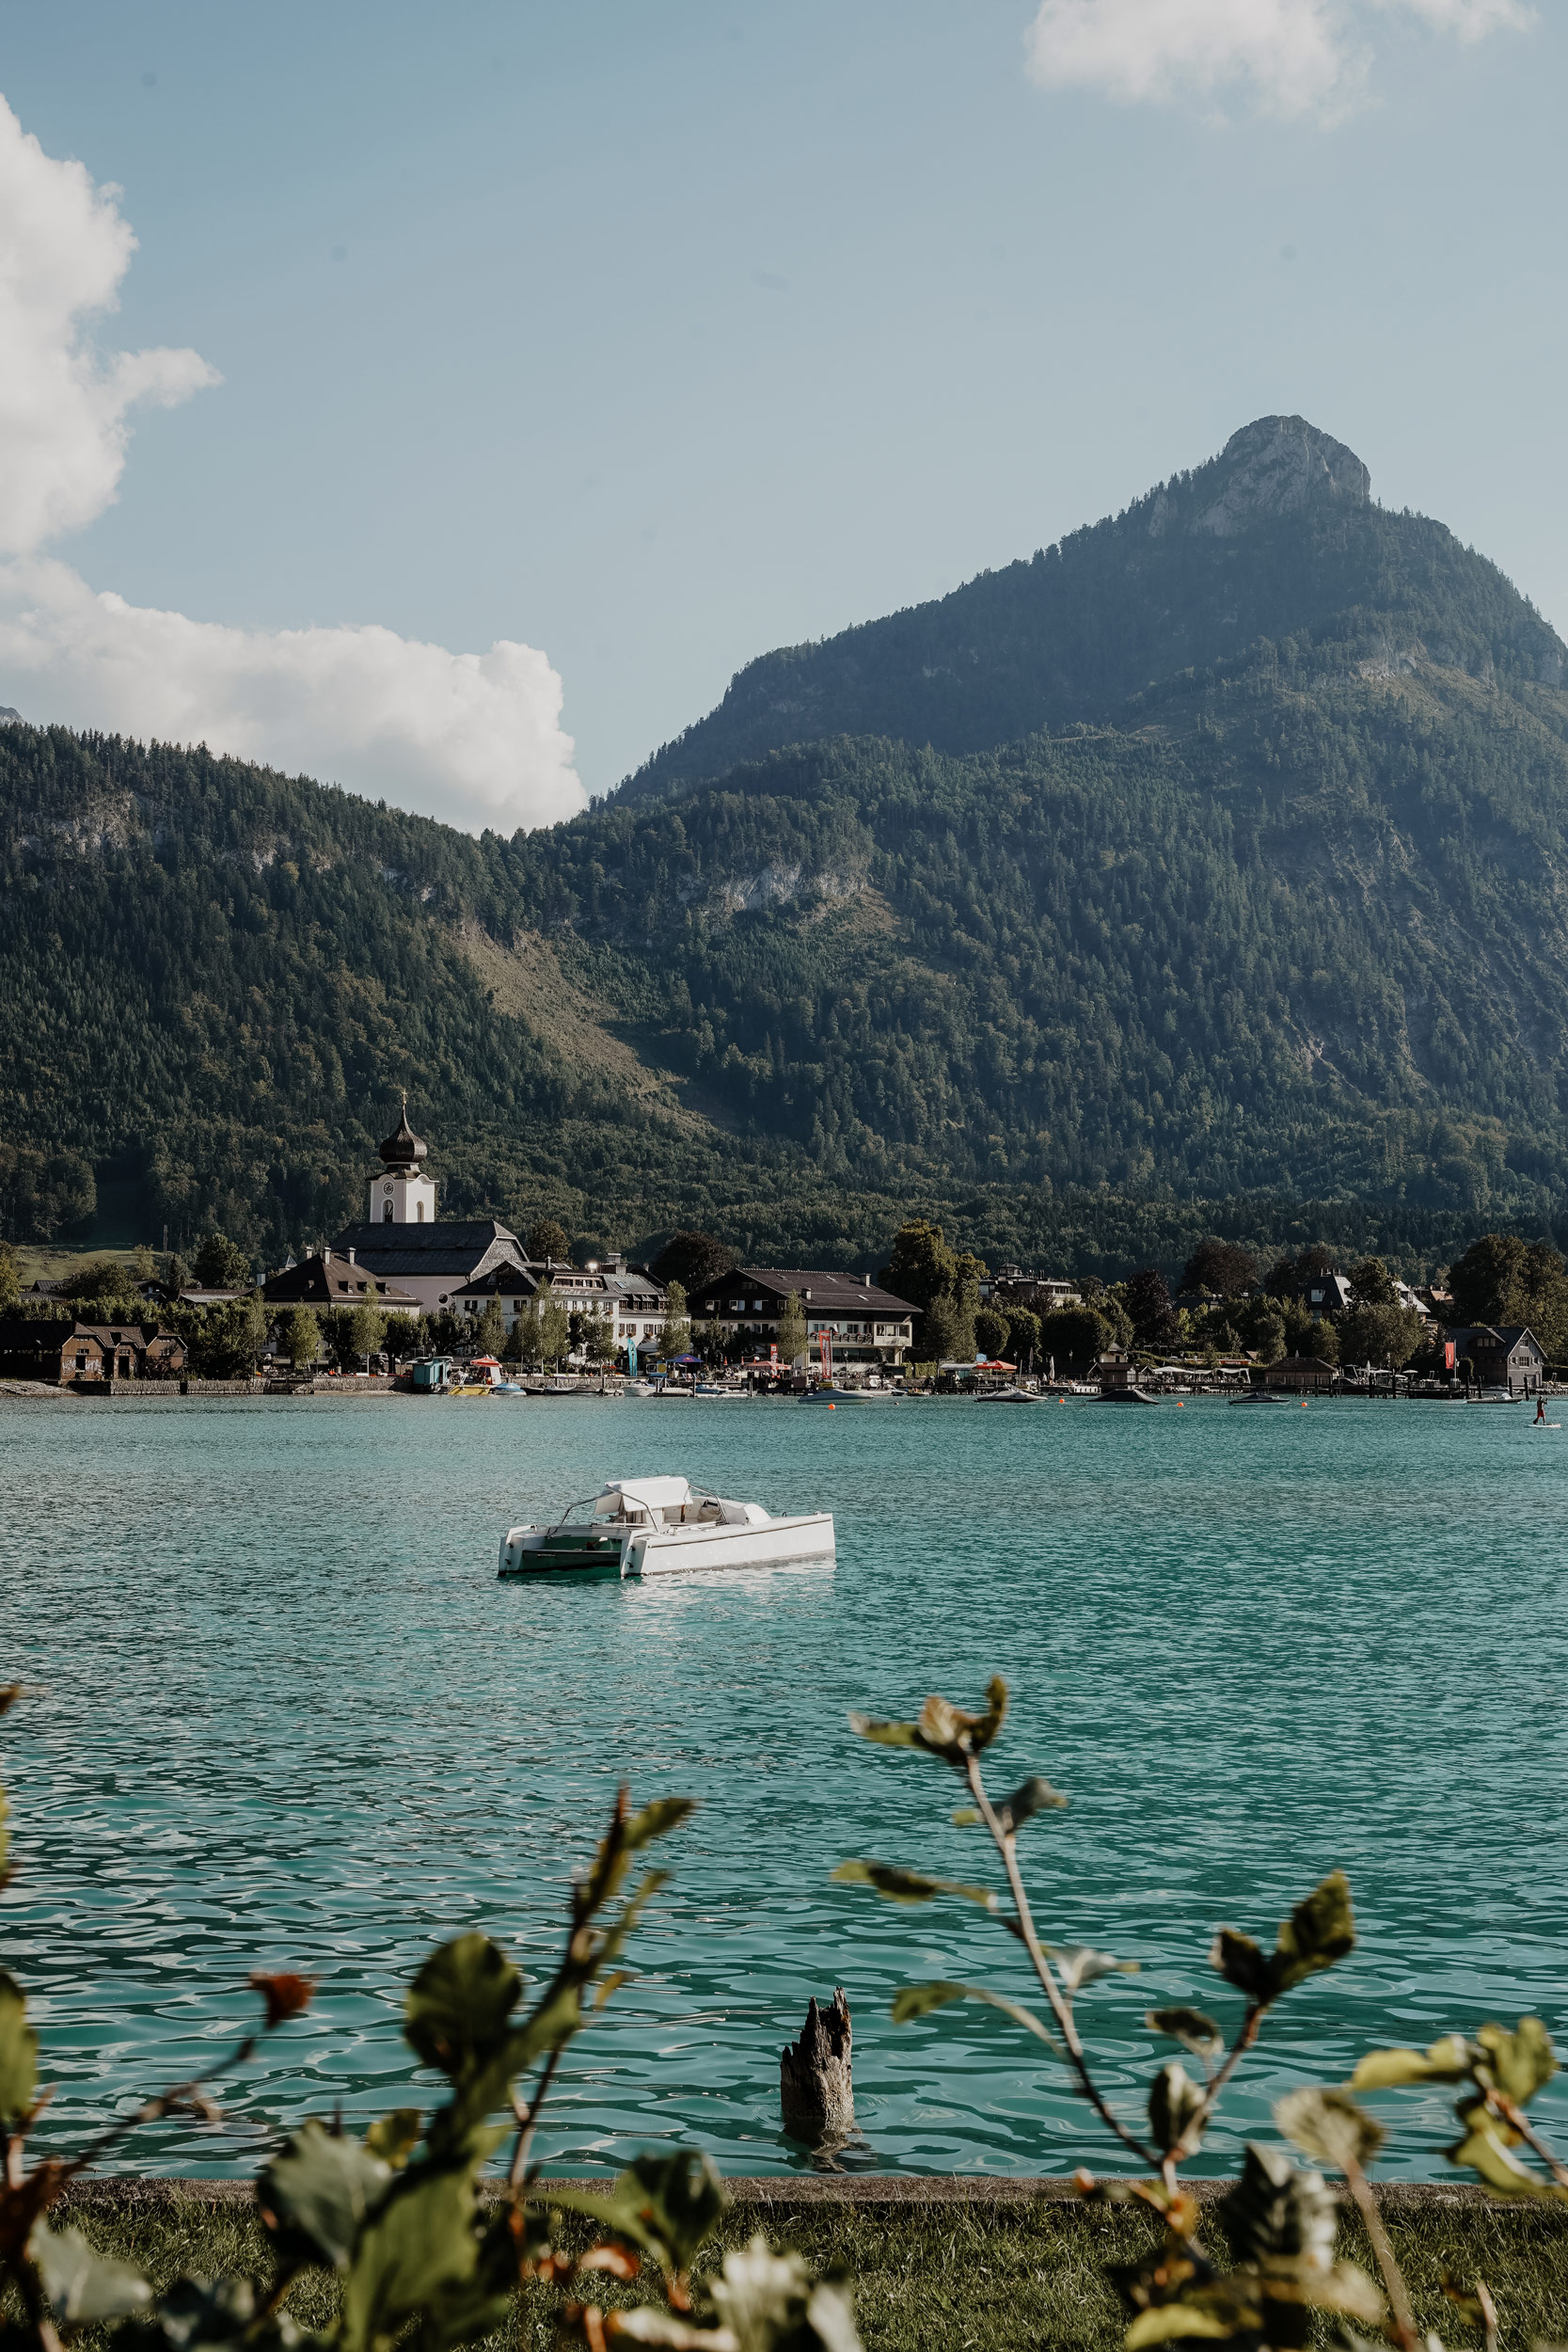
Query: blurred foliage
(396, 2214)
(1281, 2222)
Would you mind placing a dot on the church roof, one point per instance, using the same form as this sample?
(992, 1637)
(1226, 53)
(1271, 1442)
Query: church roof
(403, 1147)
(451, 1246)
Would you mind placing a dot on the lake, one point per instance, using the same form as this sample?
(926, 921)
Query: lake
(286, 1717)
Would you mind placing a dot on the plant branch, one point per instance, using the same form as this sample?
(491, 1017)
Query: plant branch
(527, 2117)
(1500, 2104)
(1393, 2278)
(1005, 1844)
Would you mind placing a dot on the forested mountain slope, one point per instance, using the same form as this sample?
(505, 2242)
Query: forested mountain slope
(1276, 537)
(1292, 929)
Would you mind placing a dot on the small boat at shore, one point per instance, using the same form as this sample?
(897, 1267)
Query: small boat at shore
(1012, 1394)
(650, 1526)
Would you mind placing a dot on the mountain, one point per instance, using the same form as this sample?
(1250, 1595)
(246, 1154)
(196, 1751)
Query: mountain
(1277, 537)
(1265, 932)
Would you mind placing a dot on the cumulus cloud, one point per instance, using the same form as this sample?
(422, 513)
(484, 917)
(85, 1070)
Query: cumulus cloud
(473, 737)
(1286, 56)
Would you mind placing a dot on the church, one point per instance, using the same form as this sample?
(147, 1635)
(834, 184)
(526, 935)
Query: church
(439, 1264)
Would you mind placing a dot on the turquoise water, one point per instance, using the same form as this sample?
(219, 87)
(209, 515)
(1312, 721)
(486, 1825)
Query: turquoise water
(288, 1718)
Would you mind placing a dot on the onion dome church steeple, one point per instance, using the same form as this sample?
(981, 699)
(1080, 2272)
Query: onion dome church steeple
(405, 1195)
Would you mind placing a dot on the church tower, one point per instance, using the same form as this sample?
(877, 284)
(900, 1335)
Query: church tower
(404, 1193)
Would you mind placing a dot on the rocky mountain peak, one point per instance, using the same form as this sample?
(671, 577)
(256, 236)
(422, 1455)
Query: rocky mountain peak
(1278, 466)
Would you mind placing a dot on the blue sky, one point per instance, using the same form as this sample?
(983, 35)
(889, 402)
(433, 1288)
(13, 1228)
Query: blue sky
(649, 337)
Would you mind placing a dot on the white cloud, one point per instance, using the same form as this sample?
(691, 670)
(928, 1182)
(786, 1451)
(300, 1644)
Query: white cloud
(473, 737)
(1286, 56)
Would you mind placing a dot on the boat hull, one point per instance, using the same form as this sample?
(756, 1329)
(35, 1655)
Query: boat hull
(660, 1551)
(568, 1553)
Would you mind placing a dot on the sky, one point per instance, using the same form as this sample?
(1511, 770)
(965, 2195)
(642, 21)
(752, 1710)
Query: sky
(448, 402)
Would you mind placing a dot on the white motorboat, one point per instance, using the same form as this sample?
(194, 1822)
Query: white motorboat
(649, 1526)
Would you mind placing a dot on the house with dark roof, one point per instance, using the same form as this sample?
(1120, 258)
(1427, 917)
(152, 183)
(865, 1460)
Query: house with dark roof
(331, 1278)
(1506, 1356)
(86, 1354)
(864, 1324)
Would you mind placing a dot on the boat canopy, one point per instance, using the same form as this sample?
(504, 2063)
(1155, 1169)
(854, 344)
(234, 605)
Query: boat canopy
(622, 1496)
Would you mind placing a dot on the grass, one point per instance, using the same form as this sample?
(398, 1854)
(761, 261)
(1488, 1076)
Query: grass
(972, 2277)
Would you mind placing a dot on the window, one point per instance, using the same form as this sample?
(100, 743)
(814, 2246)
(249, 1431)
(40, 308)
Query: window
(418, 1213)
(342, 1286)
(387, 1212)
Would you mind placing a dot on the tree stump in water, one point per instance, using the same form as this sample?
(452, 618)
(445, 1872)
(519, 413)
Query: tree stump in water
(815, 2088)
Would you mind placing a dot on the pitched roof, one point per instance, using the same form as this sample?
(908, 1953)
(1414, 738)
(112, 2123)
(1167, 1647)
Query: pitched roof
(829, 1292)
(320, 1283)
(446, 1247)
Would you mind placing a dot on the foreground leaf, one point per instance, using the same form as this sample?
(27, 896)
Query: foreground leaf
(918, 2000)
(18, 2052)
(1329, 2126)
(1521, 2062)
(910, 1887)
(1190, 2026)
(82, 2285)
(666, 2205)
(766, 2299)
(1319, 1931)
(317, 2195)
(1175, 2104)
(1277, 2213)
(1444, 2062)
(1078, 1964)
(417, 2250)
(459, 2004)
(656, 1820)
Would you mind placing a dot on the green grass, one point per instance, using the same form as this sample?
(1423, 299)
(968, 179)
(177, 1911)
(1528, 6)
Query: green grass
(974, 2277)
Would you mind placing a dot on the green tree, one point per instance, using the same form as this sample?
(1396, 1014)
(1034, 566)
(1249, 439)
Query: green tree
(677, 1329)
(1023, 1336)
(1221, 1266)
(692, 1259)
(489, 1336)
(792, 1332)
(105, 1280)
(1112, 1306)
(227, 1341)
(1073, 1336)
(144, 1265)
(1146, 1297)
(221, 1265)
(1267, 1337)
(1373, 1283)
(921, 1266)
(401, 1337)
(1503, 1280)
(992, 1331)
(548, 1244)
(299, 1336)
(1385, 1336)
(600, 1339)
(10, 1280)
(526, 1343)
(554, 1329)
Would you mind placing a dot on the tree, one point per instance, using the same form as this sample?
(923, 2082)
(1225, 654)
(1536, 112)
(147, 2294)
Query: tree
(299, 1337)
(1294, 1274)
(599, 1339)
(221, 1265)
(1222, 1266)
(554, 1329)
(793, 1334)
(677, 1330)
(104, 1282)
(401, 1337)
(490, 1336)
(1268, 1338)
(693, 1260)
(1373, 1283)
(1503, 1280)
(1387, 1336)
(921, 1266)
(366, 1324)
(1073, 1336)
(226, 1341)
(10, 1281)
(991, 1332)
(548, 1243)
(1111, 1305)
(1023, 1336)
(1146, 1297)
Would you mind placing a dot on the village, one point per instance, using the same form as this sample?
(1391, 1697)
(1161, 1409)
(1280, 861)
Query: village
(406, 1301)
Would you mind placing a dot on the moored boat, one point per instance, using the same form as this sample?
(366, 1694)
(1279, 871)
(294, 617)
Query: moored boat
(649, 1526)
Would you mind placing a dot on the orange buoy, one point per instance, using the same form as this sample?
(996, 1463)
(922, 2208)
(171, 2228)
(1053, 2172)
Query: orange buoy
(831, 1407)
